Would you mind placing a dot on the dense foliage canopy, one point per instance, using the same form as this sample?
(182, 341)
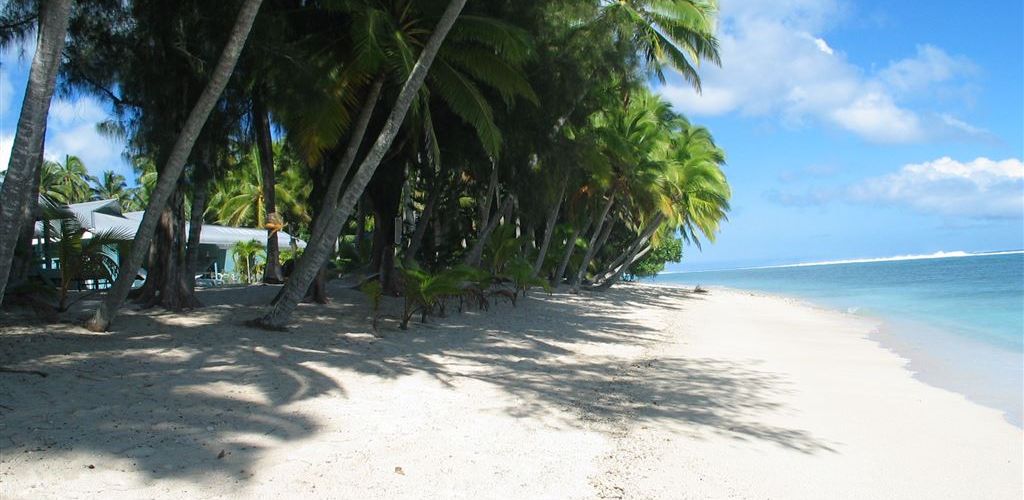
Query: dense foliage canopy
(408, 138)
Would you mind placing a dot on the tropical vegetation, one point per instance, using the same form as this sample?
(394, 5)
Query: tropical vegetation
(448, 151)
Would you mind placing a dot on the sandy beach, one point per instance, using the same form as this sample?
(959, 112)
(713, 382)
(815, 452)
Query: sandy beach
(639, 392)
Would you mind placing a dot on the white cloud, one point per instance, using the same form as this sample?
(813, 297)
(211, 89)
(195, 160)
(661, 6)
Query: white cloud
(6, 143)
(83, 109)
(929, 66)
(713, 101)
(823, 46)
(876, 117)
(776, 63)
(82, 140)
(71, 130)
(981, 188)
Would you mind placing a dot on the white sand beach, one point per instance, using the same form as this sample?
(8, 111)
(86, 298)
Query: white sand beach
(640, 392)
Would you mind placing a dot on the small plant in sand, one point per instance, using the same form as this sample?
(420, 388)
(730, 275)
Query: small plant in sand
(424, 291)
(520, 273)
(82, 254)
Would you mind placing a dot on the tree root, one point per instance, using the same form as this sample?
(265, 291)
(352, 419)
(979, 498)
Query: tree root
(260, 324)
(4, 369)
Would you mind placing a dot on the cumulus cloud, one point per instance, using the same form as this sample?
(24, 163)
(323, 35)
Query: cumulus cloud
(981, 188)
(81, 139)
(876, 117)
(71, 125)
(777, 63)
(823, 46)
(977, 189)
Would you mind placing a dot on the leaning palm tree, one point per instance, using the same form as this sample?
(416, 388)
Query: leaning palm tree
(633, 138)
(691, 195)
(16, 193)
(176, 160)
(317, 252)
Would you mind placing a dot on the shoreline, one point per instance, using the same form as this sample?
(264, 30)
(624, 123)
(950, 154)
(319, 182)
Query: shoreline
(637, 392)
(925, 361)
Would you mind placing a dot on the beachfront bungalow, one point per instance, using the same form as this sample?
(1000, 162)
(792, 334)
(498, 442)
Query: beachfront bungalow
(215, 242)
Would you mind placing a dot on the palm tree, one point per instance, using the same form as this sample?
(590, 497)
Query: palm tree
(82, 254)
(481, 52)
(238, 198)
(175, 164)
(247, 256)
(674, 33)
(71, 179)
(691, 196)
(16, 192)
(112, 186)
(632, 137)
(318, 250)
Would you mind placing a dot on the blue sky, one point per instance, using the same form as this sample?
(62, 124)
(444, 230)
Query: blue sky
(853, 128)
(864, 129)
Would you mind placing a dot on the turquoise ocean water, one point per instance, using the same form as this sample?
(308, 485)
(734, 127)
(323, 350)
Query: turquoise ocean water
(958, 318)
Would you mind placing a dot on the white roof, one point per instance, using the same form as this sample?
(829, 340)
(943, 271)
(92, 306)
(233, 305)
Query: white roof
(106, 215)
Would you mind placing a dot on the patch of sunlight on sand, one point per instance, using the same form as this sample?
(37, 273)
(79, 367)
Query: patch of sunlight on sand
(230, 390)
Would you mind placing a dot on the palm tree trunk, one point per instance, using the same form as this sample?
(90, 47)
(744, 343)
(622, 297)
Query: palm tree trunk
(360, 225)
(574, 283)
(200, 193)
(24, 254)
(264, 143)
(492, 191)
(175, 163)
(16, 191)
(614, 265)
(317, 253)
(570, 248)
(637, 250)
(421, 229)
(330, 201)
(604, 237)
(606, 284)
(477, 251)
(549, 229)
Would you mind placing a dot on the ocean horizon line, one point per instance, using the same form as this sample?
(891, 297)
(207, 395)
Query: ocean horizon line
(866, 260)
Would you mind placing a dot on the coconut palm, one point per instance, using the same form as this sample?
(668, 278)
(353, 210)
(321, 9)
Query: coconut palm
(112, 186)
(318, 249)
(82, 254)
(69, 182)
(238, 197)
(176, 159)
(673, 33)
(691, 195)
(16, 193)
(247, 255)
(633, 139)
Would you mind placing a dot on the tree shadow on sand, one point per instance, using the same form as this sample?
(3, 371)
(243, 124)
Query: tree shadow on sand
(165, 394)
